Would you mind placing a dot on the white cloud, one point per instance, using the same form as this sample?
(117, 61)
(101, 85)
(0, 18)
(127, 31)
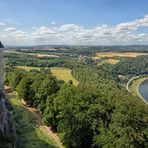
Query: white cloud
(134, 25)
(2, 24)
(43, 31)
(11, 29)
(123, 33)
(68, 27)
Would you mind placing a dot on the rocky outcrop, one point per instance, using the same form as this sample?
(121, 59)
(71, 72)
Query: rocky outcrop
(7, 128)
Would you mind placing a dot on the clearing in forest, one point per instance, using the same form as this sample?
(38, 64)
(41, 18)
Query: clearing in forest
(64, 74)
(111, 61)
(59, 72)
(28, 68)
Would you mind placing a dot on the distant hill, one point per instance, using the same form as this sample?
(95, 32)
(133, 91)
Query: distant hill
(82, 50)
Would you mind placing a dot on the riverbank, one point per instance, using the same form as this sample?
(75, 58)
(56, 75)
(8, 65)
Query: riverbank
(134, 87)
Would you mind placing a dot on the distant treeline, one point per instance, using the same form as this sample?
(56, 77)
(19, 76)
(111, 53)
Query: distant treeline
(14, 59)
(84, 50)
(128, 67)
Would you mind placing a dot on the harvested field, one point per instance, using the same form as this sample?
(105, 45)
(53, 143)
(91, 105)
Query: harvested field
(27, 68)
(45, 55)
(119, 54)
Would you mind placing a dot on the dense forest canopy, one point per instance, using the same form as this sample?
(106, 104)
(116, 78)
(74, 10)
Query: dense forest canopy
(98, 113)
(127, 67)
(73, 73)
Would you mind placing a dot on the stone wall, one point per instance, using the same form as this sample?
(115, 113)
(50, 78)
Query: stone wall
(7, 127)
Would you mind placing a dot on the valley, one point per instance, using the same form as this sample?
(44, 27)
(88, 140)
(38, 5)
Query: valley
(75, 90)
(73, 74)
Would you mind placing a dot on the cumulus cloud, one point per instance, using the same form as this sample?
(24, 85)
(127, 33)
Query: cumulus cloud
(2, 24)
(68, 27)
(134, 25)
(43, 31)
(11, 29)
(123, 33)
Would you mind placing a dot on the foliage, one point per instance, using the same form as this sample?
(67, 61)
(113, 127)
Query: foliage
(97, 113)
(29, 134)
(129, 66)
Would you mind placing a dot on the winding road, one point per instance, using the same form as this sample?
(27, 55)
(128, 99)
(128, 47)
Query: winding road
(130, 82)
(137, 87)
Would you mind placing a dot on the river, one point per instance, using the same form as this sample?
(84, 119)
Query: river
(143, 90)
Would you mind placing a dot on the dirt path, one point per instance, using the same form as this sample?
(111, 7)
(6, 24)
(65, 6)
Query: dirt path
(42, 125)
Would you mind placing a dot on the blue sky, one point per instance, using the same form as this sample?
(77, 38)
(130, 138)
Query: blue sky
(88, 22)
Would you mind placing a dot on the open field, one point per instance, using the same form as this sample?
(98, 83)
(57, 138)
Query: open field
(111, 61)
(33, 54)
(64, 74)
(29, 132)
(123, 54)
(60, 73)
(12, 51)
(44, 55)
(28, 68)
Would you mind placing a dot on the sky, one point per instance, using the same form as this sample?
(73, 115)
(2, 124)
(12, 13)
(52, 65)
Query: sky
(74, 22)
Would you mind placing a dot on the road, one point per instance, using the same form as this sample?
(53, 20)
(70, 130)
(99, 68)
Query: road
(138, 93)
(130, 81)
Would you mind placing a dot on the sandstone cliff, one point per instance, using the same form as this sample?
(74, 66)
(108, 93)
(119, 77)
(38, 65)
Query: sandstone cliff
(7, 128)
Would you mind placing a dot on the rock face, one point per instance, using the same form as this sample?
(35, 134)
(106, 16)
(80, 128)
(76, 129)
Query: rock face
(7, 128)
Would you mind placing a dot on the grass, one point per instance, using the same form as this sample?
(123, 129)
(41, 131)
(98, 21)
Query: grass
(64, 74)
(28, 68)
(119, 54)
(135, 84)
(45, 55)
(60, 73)
(12, 51)
(134, 87)
(40, 55)
(111, 61)
(29, 134)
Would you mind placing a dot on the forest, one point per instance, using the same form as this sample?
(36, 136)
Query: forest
(13, 59)
(82, 50)
(97, 113)
(127, 67)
